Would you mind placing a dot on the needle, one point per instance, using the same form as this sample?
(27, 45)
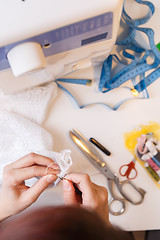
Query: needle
(75, 187)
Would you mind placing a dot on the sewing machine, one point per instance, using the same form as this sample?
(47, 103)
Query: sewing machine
(42, 42)
(36, 21)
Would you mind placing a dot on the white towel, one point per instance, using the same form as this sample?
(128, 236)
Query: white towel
(20, 117)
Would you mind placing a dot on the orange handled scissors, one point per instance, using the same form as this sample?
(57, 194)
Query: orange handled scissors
(128, 170)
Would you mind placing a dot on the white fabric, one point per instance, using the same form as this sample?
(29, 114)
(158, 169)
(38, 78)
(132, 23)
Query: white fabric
(31, 103)
(20, 132)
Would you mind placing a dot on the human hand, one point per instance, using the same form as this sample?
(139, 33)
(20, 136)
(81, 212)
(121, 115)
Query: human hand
(93, 196)
(15, 196)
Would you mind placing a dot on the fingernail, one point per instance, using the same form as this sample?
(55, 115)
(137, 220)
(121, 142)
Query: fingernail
(66, 185)
(53, 171)
(55, 166)
(50, 178)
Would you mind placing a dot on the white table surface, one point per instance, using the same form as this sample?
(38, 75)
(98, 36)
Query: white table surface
(108, 128)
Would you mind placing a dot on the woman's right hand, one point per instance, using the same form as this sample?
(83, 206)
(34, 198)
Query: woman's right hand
(94, 197)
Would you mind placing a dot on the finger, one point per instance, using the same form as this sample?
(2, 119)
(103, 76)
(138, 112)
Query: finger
(31, 159)
(102, 192)
(69, 194)
(100, 188)
(17, 176)
(31, 195)
(84, 184)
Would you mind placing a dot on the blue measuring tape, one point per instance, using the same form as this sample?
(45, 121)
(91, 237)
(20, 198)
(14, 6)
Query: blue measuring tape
(137, 67)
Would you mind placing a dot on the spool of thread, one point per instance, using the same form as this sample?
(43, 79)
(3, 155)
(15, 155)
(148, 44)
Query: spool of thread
(152, 172)
(26, 58)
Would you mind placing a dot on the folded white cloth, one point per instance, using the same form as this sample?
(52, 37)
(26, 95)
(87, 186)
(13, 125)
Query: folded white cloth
(20, 117)
(31, 103)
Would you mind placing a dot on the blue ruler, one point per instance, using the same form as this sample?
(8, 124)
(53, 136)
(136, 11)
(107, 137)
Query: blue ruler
(137, 67)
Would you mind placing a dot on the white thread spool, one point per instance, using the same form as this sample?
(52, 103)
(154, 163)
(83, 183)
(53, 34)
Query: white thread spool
(26, 58)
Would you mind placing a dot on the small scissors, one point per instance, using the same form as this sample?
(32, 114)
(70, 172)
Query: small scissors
(129, 170)
(95, 158)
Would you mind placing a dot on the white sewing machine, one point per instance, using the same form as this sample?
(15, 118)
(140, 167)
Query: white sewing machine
(41, 41)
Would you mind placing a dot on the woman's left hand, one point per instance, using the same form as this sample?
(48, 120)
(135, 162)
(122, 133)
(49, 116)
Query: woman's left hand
(15, 196)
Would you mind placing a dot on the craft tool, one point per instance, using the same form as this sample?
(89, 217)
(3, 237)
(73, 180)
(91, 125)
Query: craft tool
(36, 52)
(100, 146)
(131, 172)
(128, 170)
(75, 187)
(137, 68)
(152, 172)
(95, 158)
(87, 82)
(143, 143)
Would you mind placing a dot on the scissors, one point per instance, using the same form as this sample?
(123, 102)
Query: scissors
(129, 170)
(95, 158)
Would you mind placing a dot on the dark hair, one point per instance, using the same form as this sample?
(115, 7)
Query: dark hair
(59, 223)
